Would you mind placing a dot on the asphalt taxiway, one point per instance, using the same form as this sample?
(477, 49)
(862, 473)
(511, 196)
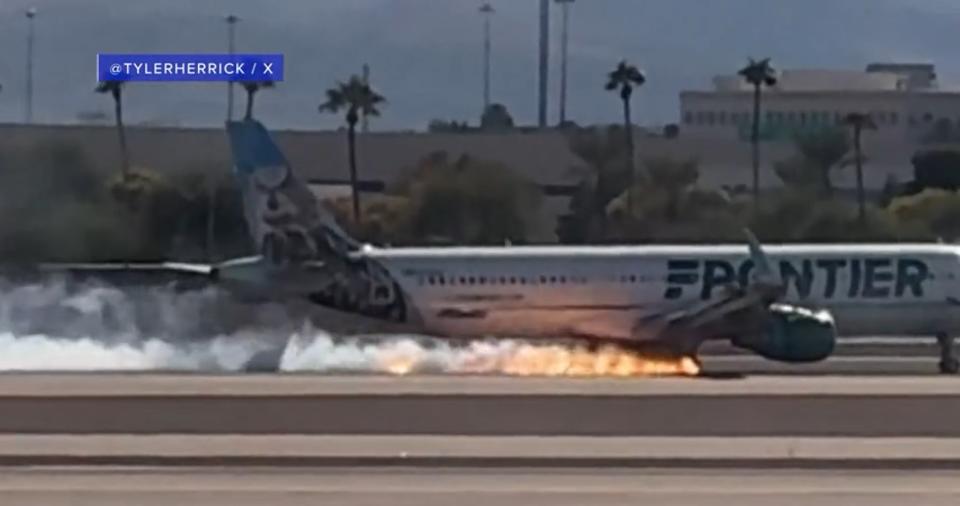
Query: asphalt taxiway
(480, 406)
(293, 439)
(474, 487)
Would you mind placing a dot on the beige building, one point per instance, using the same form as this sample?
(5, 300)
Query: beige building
(905, 101)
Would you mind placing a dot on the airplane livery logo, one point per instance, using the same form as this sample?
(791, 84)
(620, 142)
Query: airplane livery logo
(869, 278)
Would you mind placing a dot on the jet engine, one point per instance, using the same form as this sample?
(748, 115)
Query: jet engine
(793, 334)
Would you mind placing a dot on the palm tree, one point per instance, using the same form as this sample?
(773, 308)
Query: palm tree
(859, 122)
(356, 97)
(673, 180)
(819, 154)
(601, 177)
(758, 74)
(252, 87)
(115, 89)
(623, 79)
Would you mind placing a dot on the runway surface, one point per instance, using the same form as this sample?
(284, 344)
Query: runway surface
(474, 487)
(291, 440)
(444, 452)
(66, 385)
(879, 364)
(492, 406)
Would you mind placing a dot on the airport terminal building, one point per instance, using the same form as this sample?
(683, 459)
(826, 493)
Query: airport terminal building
(905, 100)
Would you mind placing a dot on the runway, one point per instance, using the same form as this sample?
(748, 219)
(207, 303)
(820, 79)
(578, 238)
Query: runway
(474, 487)
(879, 363)
(491, 406)
(290, 440)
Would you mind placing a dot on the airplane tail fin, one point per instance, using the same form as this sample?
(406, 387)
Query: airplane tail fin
(285, 219)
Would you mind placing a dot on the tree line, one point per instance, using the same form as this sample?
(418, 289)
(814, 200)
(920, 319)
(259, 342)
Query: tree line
(666, 202)
(55, 205)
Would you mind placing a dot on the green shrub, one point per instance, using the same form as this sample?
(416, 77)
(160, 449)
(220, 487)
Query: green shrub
(933, 210)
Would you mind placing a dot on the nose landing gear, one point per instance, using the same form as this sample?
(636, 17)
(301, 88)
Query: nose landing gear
(949, 363)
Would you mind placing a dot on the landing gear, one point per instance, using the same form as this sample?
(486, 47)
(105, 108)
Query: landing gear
(949, 364)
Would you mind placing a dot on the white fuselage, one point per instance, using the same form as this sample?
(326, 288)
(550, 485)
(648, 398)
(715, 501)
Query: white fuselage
(603, 291)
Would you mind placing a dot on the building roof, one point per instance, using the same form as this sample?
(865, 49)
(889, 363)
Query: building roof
(806, 80)
(876, 77)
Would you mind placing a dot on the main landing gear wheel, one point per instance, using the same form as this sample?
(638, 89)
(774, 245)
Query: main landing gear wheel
(949, 363)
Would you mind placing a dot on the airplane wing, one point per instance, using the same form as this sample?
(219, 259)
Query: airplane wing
(739, 309)
(95, 268)
(243, 276)
(121, 273)
(751, 318)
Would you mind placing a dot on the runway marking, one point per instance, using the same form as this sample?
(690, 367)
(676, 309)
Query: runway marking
(577, 482)
(837, 359)
(55, 386)
(172, 446)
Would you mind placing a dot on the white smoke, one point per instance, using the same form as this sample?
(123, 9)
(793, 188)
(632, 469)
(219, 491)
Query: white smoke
(394, 354)
(58, 326)
(55, 326)
(45, 353)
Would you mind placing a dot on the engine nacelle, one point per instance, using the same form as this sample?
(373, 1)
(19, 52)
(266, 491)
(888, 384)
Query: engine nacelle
(793, 334)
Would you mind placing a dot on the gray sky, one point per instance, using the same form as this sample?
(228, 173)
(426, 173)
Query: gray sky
(426, 54)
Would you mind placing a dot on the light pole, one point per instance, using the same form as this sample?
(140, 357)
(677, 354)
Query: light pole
(544, 62)
(31, 13)
(487, 11)
(564, 40)
(231, 20)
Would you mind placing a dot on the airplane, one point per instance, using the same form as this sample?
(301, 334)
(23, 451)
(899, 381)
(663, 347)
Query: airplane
(786, 303)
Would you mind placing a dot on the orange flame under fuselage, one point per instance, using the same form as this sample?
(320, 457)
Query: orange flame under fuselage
(556, 361)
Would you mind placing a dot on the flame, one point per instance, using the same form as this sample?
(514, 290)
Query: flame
(549, 361)
(557, 362)
(399, 365)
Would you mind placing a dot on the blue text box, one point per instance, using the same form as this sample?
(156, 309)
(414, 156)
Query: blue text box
(189, 67)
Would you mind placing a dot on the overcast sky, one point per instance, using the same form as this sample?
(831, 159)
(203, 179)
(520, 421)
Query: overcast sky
(425, 55)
